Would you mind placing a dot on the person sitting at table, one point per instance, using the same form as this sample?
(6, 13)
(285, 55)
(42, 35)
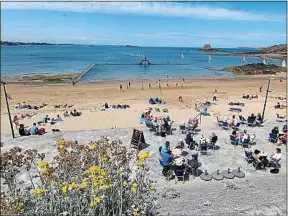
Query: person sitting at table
(242, 119)
(23, 131)
(213, 140)
(251, 119)
(235, 137)
(193, 123)
(256, 156)
(276, 156)
(179, 167)
(34, 129)
(259, 119)
(189, 140)
(178, 150)
(275, 131)
(193, 163)
(282, 139)
(165, 148)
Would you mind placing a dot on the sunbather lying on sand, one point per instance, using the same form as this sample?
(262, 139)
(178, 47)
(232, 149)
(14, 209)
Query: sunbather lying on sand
(279, 106)
(24, 106)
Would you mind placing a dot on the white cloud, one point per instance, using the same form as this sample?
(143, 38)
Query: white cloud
(149, 8)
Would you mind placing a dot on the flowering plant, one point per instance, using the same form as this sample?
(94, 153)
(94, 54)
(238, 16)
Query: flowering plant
(95, 179)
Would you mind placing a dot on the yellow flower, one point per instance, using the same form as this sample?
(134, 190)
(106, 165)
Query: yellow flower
(61, 141)
(95, 202)
(143, 155)
(93, 147)
(42, 164)
(84, 184)
(38, 192)
(140, 163)
(19, 207)
(125, 184)
(72, 186)
(94, 169)
(64, 190)
(134, 187)
(61, 146)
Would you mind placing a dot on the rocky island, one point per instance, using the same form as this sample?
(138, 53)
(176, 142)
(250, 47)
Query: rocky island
(255, 69)
(207, 48)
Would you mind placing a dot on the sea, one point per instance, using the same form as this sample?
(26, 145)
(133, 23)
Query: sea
(119, 62)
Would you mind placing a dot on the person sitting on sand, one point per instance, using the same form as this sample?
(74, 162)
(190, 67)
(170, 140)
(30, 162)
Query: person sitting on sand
(66, 114)
(34, 129)
(75, 113)
(23, 131)
(59, 119)
(106, 106)
(277, 106)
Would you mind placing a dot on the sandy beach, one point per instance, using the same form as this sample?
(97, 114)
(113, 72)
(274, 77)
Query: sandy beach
(89, 98)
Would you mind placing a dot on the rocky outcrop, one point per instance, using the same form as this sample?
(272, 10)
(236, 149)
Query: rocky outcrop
(255, 69)
(282, 48)
(207, 48)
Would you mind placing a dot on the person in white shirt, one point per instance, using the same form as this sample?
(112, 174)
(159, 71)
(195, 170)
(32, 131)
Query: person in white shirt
(276, 156)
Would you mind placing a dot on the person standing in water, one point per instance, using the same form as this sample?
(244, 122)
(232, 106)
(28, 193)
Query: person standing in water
(120, 87)
(129, 85)
(149, 85)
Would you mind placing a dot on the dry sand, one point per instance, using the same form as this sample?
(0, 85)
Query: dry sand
(90, 96)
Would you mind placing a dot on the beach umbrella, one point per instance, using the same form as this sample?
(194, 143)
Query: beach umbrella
(238, 173)
(228, 174)
(217, 175)
(206, 176)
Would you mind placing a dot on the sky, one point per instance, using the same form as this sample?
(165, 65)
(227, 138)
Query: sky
(177, 24)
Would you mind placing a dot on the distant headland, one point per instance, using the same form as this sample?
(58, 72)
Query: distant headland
(10, 43)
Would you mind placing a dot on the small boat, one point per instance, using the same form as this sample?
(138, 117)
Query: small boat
(283, 64)
(210, 59)
(244, 59)
(264, 62)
